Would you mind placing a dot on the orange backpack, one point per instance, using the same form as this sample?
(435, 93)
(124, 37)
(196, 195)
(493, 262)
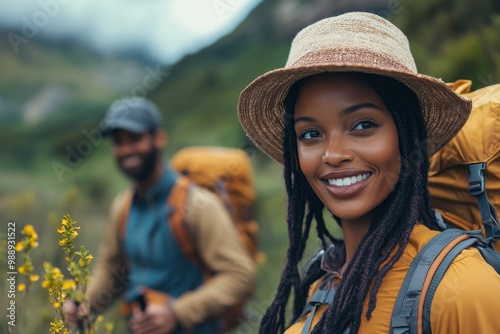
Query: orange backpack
(464, 187)
(227, 172)
(478, 142)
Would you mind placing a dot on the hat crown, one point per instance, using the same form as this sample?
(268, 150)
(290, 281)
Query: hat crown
(135, 114)
(353, 38)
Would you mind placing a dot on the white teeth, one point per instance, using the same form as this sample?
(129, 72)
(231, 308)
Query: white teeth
(131, 161)
(347, 181)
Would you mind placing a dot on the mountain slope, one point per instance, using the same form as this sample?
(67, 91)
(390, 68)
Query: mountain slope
(51, 90)
(200, 94)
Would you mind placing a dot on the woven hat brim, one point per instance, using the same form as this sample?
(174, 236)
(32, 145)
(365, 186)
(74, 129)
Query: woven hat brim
(261, 104)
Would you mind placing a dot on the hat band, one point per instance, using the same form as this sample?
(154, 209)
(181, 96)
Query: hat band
(348, 56)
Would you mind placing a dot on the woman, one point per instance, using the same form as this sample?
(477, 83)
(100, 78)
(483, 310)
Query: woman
(354, 124)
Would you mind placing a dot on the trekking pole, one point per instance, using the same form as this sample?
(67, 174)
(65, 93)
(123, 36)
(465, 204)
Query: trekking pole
(79, 321)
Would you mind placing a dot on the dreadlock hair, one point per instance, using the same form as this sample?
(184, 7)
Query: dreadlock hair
(390, 229)
(296, 183)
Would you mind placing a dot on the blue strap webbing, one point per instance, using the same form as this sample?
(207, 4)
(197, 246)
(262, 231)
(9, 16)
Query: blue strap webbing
(477, 189)
(406, 303)
(320, 297)
(438, 275)
(490, 255)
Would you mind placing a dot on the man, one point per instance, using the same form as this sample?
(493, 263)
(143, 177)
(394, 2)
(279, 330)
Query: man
(141, 258)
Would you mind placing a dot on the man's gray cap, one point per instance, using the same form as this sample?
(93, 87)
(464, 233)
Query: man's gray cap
(133, 114)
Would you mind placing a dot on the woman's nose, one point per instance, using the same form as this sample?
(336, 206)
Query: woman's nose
(337, 152)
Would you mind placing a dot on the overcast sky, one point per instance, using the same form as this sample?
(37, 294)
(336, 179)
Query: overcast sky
(166, 29)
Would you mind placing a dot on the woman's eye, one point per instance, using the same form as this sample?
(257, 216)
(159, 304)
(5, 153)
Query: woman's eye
(309, 134)
(363, 125)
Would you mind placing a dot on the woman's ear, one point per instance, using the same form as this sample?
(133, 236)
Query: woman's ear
(160, 138)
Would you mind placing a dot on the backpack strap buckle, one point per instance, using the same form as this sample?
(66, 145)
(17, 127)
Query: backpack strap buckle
(476, 178)
(488, 212)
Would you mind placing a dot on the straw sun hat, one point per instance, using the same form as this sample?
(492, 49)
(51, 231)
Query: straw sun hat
(352, 42)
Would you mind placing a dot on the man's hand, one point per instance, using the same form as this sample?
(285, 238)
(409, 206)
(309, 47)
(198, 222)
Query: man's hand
(156, 319)
(74, 313)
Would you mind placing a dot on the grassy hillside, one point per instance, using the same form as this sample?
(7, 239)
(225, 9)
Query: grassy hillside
(198, 98)
(452, 40)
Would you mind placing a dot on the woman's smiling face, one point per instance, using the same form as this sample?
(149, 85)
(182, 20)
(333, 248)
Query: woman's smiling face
(347, 144)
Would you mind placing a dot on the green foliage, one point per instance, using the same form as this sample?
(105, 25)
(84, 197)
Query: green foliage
(204, 89)
(449, 39)
(456, 40)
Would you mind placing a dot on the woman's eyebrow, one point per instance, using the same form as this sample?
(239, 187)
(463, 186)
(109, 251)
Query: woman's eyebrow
(357, 107)
(305, 119)
(345, 112)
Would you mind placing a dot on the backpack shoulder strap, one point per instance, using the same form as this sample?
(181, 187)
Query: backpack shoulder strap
(487, 210)
(411, 313)
(124, 212)
(320, 297)
(177, 203)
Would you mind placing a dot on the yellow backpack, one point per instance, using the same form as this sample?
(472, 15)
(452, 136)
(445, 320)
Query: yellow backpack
(478, 144)
(226, 172)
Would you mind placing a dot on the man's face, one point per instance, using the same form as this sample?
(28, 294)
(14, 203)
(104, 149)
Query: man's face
(136, 153)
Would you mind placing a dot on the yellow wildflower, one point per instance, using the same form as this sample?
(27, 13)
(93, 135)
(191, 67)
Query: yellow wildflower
(21, 287)
(45, 284)
(56, 304)
(19, 246)
(69, 284)
(109, 327)
(22, 269)
(62, 242)
(34, 278)
(28, 230)
(58, 327)
(57, 273)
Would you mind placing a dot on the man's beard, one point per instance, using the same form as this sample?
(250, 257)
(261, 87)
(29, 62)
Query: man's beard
(147, 167)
